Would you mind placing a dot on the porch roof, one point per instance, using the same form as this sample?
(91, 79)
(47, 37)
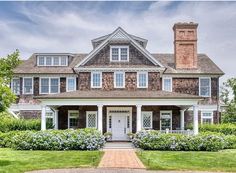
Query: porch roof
(119, 94)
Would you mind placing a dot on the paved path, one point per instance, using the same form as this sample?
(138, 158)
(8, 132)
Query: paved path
(118, 158)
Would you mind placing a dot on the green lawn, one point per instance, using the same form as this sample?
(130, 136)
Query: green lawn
(12, 161)
(180, 160)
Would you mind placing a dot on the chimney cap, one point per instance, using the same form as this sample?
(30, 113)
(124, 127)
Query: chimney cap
(185, 25)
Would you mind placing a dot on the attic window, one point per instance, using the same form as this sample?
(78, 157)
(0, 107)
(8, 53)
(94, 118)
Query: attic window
(119, 53)
(52, 60)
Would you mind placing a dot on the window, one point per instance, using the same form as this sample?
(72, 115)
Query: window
(207, 117)
(71, 84)
(167, 83)
(49, 120)
(142, 79)
(56, 61)
(27, 85)
(91, 119)
(166, 120)
(147, 120)
(49, 85)
(119, 53)
(205, 86)
(52, 60)
(73, 119)
(96, 81)
(15, 86)
(119, 79)
(64, 61)
(48, 61)
(40, 60)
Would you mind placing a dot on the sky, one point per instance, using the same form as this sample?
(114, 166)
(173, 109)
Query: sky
(49, 27)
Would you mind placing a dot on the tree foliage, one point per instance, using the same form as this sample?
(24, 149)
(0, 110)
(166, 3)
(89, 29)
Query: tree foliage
(7, 65)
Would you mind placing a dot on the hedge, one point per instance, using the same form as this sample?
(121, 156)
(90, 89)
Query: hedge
(227, 129)
(154, 140)
(82, 139)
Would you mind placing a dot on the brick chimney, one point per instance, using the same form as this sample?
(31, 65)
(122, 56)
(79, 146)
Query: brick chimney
(185, 44)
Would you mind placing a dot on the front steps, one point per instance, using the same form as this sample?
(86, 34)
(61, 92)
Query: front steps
(118, 145)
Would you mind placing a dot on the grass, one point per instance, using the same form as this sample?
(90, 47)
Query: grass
(13, 161)
(179, 160)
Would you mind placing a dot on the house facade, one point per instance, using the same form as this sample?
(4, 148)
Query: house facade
(121, 87)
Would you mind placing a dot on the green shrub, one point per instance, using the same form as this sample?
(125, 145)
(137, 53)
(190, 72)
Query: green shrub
(6, 138)
(82, 139)
(227, 129)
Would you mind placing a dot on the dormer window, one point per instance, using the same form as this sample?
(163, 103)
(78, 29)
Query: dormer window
(119, 53)
(52, 60)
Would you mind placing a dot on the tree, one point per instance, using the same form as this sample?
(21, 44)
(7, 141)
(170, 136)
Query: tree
(228, 96)
(7, 65)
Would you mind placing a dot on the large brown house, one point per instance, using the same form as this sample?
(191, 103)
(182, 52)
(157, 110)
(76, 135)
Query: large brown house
(120, 87)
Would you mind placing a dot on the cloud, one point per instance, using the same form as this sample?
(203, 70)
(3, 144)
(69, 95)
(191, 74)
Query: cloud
(70, 26)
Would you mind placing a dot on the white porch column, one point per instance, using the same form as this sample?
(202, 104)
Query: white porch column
(56, 119)
(100, 117)
(43, 118)
(182, 119)
(139, 118)
(195, 119)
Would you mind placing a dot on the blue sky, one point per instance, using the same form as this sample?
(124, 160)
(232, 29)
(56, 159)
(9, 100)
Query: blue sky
(69, 26)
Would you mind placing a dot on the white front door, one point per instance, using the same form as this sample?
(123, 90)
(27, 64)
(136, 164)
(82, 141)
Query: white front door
(119, 127)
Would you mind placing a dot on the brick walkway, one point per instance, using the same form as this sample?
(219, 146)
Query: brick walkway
(120, 159)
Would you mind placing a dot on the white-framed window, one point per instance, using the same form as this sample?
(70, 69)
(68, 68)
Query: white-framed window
(91, 119)
(119, 53)
(27, 85)
(146, 119)
(167, 84)
(207, 117)
(70, 84)
(165, 120)
(15, 86)
(205, 86)
(96, 79)
(50, 119)
(142, 78)
(49, 85)
(119, 79)
(52, 60)
(73, 119)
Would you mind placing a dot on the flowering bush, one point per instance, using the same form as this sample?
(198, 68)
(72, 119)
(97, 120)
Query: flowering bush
(6, 138)
(83, 139)
(154, 140)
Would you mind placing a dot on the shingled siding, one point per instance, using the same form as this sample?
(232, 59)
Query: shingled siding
(103, 58)
(84, 81)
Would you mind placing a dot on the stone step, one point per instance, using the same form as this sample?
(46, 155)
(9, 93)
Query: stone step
(118, 145)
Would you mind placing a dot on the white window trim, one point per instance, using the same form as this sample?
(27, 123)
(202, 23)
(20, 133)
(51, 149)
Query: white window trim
(146, 73)
(143, 112)
(12, 85)
(169, 111)
(67, 84)
(53, 116)
(49, 85)
(163, 85)
(211, 112)
(32, 79)
(200, 86)
(119, 72)
(100, 74)
(119, 53)
(71, 111)
(52, 59)
(92, 112)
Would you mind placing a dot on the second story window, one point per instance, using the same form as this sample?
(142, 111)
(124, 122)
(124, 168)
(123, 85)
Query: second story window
(27, 85)
(119, 79)
(142, 79)
(96, 79)
(49, 85)
(167, 84)
(119, 53)
(15, 86)
(52, 60)
(205, 86)
(71, 84)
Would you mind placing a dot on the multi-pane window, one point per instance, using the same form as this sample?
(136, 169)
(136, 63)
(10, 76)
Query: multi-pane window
(119, 53)
(56, 61)
(27, 85)
(73, 119)
(49, 85)
(52, 60)
(167, 84)
(15, 86)
(96, 81)
(166, 120)
(142, 80)
(71, 84)
(207, 117)
(48, 61)
(91, 119)
(147, 120)
(205, 86)
(49, 120)
(119, 79)
(40, 60)
(64, 60)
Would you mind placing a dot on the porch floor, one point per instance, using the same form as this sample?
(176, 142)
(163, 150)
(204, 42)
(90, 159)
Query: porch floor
(118, 145)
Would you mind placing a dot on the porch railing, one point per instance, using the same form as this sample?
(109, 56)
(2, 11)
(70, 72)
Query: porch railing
(184, 132)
